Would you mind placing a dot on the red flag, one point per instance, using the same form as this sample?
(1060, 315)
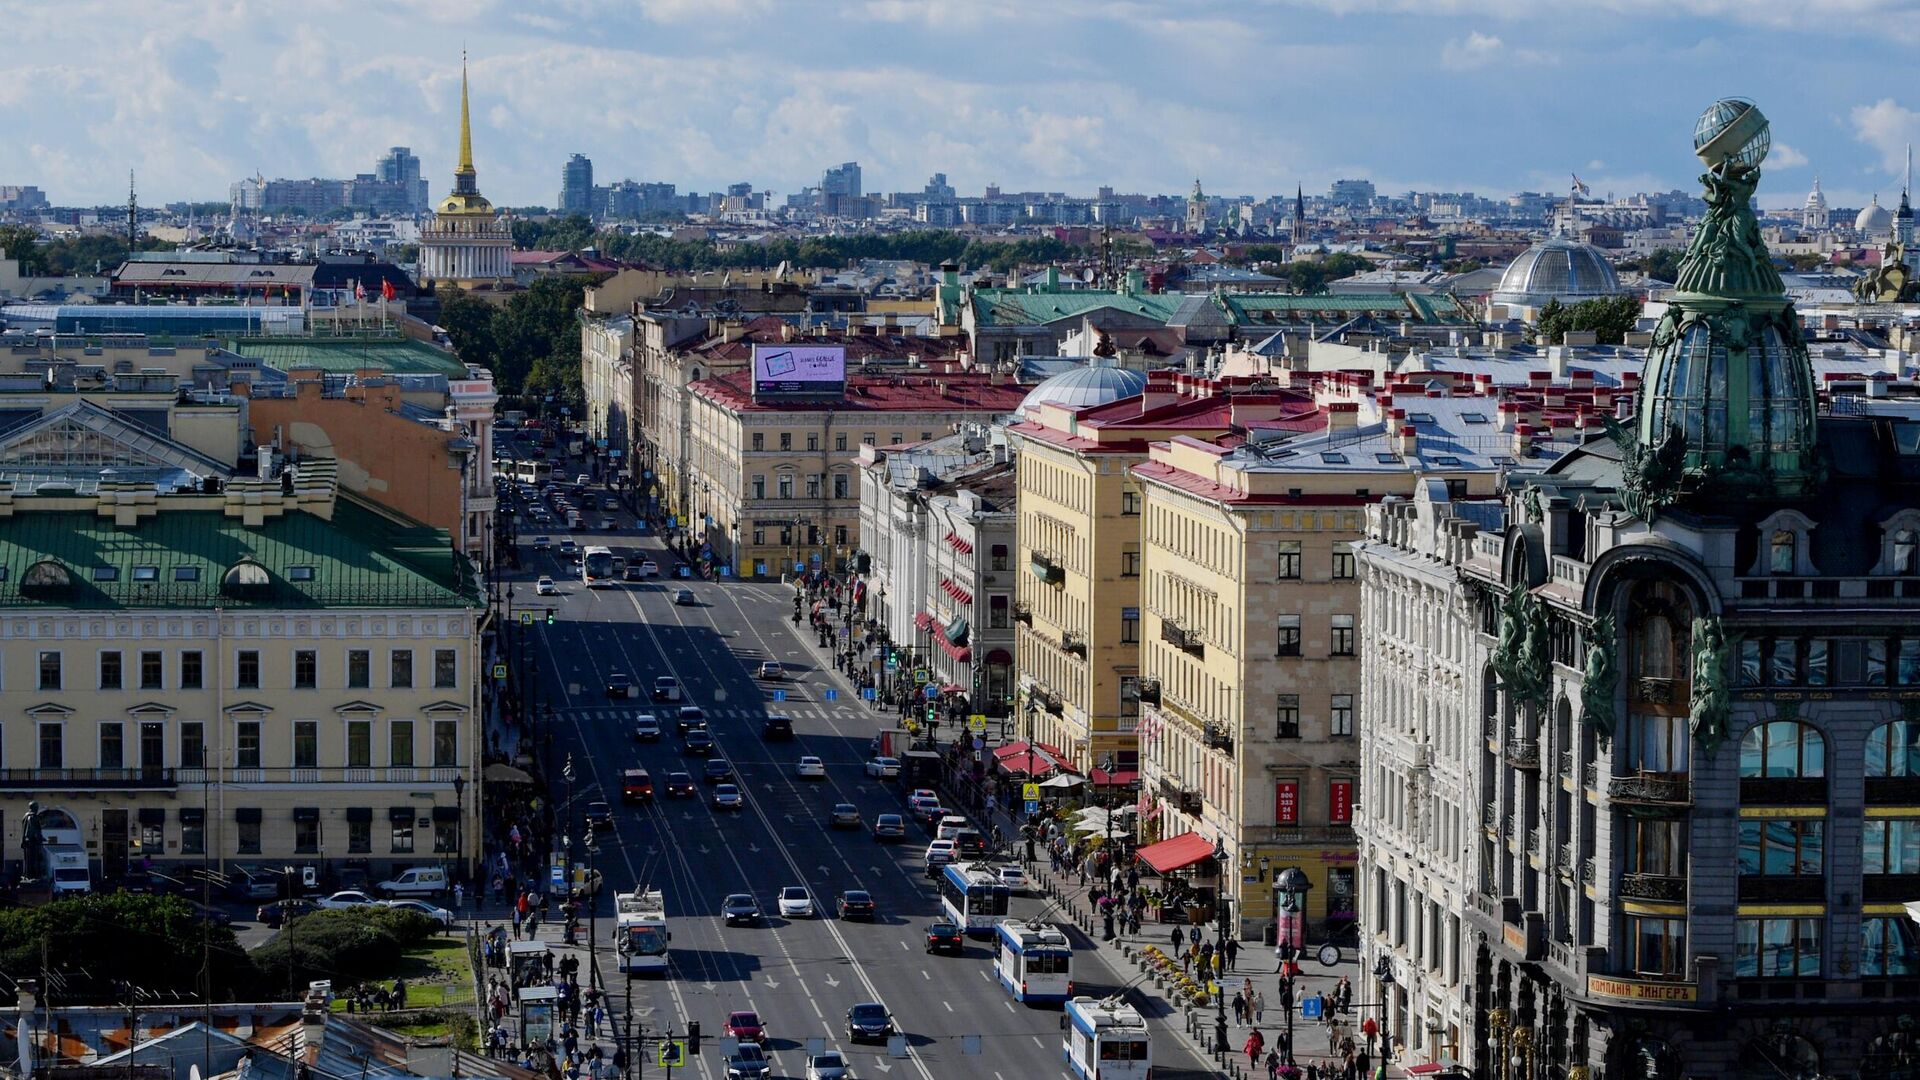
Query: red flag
(386, 290)
(359, 291)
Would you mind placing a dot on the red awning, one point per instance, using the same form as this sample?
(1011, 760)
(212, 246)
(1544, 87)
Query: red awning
(1178, 853)
(923, 620)
(951, 588)
(999, 656)
(953, 688)
(959, 545)
(961, 653)
(1008, 750)
(1116, 778)
(1051, 749)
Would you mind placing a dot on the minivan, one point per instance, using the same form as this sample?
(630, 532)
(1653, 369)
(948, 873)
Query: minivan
(949, 827)
(415, 881)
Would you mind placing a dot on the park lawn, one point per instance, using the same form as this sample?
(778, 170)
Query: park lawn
(438, 971)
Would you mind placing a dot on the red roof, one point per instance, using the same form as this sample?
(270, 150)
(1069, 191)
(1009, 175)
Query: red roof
(928, 393)
(1116, 778)
(1178, 853)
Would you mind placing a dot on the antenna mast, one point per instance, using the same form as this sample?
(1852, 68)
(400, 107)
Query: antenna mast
(133, 212)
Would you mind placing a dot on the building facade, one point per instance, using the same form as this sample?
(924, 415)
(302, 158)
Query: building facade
(466, 244)
(576, 185)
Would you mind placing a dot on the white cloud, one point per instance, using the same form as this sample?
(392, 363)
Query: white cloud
(1477, 51)
(1888, 127)
(1783, 156)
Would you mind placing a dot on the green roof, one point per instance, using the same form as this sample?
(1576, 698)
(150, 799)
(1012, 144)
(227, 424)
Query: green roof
(398, 356)
(1021, 307)
(180, 558)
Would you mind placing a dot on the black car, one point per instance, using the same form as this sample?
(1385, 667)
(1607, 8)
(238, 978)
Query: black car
(599, 815)
(741, 909)
(699, 741)
(689, 717)
(945, 937)
(857, 904)
(276, 914)
(869, 1020)
(776, 728)
(679, 786)
(717, 770)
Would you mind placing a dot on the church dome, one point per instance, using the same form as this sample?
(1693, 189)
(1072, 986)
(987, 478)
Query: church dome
(1557, 268)
(1085, 387)
(1874, 219)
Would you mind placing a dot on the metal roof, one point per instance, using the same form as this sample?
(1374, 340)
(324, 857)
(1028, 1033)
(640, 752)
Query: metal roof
(397, 355)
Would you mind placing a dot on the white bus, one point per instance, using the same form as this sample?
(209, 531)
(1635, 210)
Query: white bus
(973, 897)
(536, 473)
(596, 567)
(1106, 1039)
(640, 932)
(1034, 961)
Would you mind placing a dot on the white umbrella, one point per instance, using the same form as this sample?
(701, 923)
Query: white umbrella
(1088, 825)
(1064, 780)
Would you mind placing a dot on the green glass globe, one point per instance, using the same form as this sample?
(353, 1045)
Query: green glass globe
(1732, 129)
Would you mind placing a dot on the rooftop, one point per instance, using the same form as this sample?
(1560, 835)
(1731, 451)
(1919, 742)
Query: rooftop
(397, 355)
(961, 392)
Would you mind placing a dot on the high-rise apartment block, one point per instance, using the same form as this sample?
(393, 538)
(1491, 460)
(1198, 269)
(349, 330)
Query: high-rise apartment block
(576, 186)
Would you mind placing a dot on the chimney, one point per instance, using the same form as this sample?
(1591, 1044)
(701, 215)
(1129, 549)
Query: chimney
(1343, 415)
(313, 1018)
(1409, 440)
(1557, 356)
(1522, 440)
(1896, 360)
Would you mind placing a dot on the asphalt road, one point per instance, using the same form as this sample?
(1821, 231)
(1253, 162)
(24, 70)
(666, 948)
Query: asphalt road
(799, 975)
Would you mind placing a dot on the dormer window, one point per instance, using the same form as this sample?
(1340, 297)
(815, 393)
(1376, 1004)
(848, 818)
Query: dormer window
(1784, 540)
(1904, 551)
(1780, 552)
(244, 577)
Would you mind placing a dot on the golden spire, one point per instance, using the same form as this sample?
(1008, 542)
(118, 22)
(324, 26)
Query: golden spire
(466, 125)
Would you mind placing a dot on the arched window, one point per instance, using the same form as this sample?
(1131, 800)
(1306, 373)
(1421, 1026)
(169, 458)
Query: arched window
(1893, 749)
(1653, 654)
(46, 574)
(1658, 737)
(1783, 749)
(245, 576)
(1780, 552)
(1906, 546)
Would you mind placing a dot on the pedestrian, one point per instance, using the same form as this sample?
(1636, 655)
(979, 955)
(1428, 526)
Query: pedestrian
(1259, 1007)
(1273, 1065)
(1179, 939)
(1256, 1042)
(1219, 963)
(517, 920)
(459, 897)
(1233, 953)
(1239, 1008)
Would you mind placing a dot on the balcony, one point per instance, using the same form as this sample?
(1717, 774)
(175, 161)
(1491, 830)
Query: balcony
(1586, 871)
(1047, 570)
(1783, 889)
(1523, 751)
(1217, 737)
(1191, 802)
(1491, 817)
(1490, 727)
(1566, 863)
(1566, 766)
(1651, 789)
(1783, 791)
(1590, 776)
(1660, 888)
(1074, 643)
(87, 779)
(1023, 612)
(1150, 691)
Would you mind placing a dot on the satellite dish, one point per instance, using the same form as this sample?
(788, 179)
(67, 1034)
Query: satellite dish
(193, 1073)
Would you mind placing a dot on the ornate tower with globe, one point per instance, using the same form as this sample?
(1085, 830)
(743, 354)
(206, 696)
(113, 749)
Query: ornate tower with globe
(1726, 403)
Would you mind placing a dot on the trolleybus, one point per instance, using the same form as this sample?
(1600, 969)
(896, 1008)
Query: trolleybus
(1034, 961)
(1106, 1039)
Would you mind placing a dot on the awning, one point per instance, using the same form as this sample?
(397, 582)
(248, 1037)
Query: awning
(923, 620)
(153, 815)
(1018, 758)
(446, 813)
(1116, 778)
(953, 688)
(306, 813)
(247, 815)
(193, 815)
(359, 813)
(1178, 853)
(1064, 780)
(956, 631)
(502, 773)
(961, 653)
(959, 545)
(955, 590)
(400, 813)
(1000, 656)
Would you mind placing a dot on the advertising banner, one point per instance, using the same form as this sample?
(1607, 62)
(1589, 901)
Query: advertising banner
(807, 370)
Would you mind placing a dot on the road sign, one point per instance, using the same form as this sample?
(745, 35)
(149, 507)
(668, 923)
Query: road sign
(673, 1054)
(526, 618)
(1310, 1008)
(1030, 792)
(979, 743)
(870, 693)
(921, 676)
(779, 695)
(500, 672)
(930, 691)
(832, 694)
(977, 723)
(1033, 807)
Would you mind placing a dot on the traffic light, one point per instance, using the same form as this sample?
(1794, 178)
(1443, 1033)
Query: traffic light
(930, 716)
(552, 616)
(693, 1036)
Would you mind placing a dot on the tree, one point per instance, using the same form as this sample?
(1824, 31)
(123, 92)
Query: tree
(102, 940)
(1663, 265)
(22, 242)
(468, 320)
(1609, 319)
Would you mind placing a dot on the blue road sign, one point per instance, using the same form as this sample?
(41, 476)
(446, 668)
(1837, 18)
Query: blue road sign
(1033, 806)
(833, 695)
(1310, 1008)
(869, 693)
(931, 691)
(779, 695)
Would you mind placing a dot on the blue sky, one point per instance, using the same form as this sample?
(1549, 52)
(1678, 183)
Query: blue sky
(1251, 96)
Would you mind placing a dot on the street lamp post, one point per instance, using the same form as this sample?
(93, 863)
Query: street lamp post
(1292, 885)
(1220, 945)
(460, 826)
(1382, 974)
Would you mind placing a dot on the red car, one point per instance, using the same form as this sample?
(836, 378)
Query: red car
(746, 1027)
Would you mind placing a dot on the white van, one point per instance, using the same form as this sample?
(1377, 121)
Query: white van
(416, 881)
(949, 827)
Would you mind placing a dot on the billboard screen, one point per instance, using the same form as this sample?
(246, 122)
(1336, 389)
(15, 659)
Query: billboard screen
(813, 370)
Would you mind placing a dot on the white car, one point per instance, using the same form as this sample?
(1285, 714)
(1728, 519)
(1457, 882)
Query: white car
(883, 767)
(811, 768)
(831, 1065)
(649, 568)
(940, 853)
(546, 587)
(1014, 878)
(796, 902)
(439, 915)
(340, 901)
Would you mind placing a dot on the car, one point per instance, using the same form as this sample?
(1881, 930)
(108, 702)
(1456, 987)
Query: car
(619, 687)
(698, 742)
(1014, 878)
(680, 785)
(689, 716)
(667, 688)
(885, 768)
(830, 1065)
(928, 813)
(609, 504)
(745, 1026)
(728, 797)
(796, 902)
(279, 912)
(921, 795)
(631, 573)
(846, 816)
(970, 843)
(939, 853)
(740, 909)
(811, 768)
(546, 587)
(869, 1020)
(580, 481)
(649, 568)
(344, 899)
(748, 1062)
(949, 827)
(646, 727)
(888, 827)
(599, 815)
(771, 669)
(716, 771)
(568, 547)
(542, 543)
(636, 785)
(683, 596)
(605, 524)
(416, 881)
(946, 937)
(207, 913)
(856, 904)
(440, 916)
(776, 726)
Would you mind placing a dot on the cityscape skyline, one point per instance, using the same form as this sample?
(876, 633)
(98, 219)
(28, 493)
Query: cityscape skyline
(702, 106)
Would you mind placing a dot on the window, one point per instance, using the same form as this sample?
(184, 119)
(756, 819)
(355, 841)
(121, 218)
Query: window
(998, 612)
(1894, 749)
(1782, 748)
(840, 442)
(1776, 948)
(1780, 552)
(402, 835)
(757, 441)
(999, 558)
(306, 744)
(146, 573)
(246, 670)
(193, 745)
(759, 486)
(867, 438)
(53, 746)
(1286, 716)
(152, 671)
(299, 573)
(190, 669)
(110, 670)
(1130, 502)
(359, 669)
(1656, 945)
(359, 744)
(246, 744)
(1288, 564)
(1782, 847)
(186, 573)
(840, 535)
(306, 835)
(359, 837)
(1890, 846)
(113, 746)
(895, 439)
(49, 670)
(1656, 847)
(1906, 544)
(446, 667)
(1887, 946)
(1342, 635)
(446, 744)
(193, 836)
(1130, 561)
(1342, 562)
(106, 573)
(813, 486)
(1130, 626)
(786, 440)
(813, 440)
(306, 669)
(784, 482)
(840, 485)
(759, 537)
(400, 669)
(926, 435)
(1340, 714)
(443, 833)
(1288, 629)
(246, 837)
(400, 744)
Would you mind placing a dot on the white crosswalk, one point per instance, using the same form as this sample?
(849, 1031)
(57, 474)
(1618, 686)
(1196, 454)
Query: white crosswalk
(797, 710)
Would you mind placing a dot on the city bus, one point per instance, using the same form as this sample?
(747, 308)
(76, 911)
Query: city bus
(596, 567)
(1106, 1039)
(973, 898)
(536, 473)
(640, 932)
(1034, 961)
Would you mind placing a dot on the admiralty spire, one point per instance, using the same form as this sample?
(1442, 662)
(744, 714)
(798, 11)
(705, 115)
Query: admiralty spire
(466, 244)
